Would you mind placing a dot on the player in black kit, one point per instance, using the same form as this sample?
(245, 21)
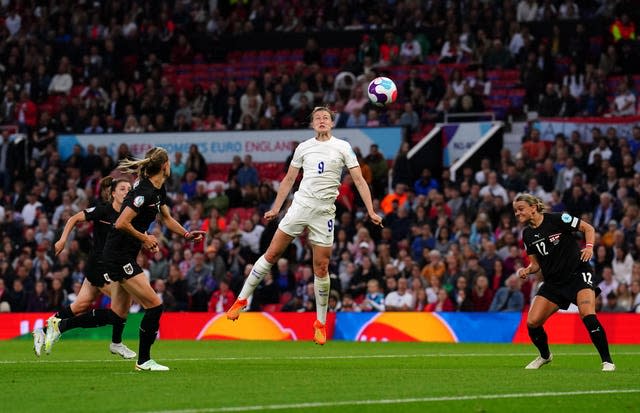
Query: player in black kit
(568, 276)
(145, 201)
(103, 216)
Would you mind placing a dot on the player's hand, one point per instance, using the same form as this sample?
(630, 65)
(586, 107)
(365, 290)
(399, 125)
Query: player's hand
(151, 243)
(270, 214)
(587, 254)
(523, 272)
(59, 246)
(195, 236)
(376, 219)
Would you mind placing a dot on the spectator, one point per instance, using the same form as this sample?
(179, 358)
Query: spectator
(527, 11)
(410, 50)
(247, 174)
(221, 299)
(400, 300)
(624, 103)
(509, 297)
(168, 301)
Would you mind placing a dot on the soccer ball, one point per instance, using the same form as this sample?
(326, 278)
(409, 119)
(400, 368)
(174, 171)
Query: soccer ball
(382, 91)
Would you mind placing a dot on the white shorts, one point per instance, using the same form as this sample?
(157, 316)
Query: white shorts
(319, 220)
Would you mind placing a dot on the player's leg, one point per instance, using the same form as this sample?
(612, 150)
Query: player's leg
(120, 303)
(86, 296)
(262, 266)
(139, 288)
(541, 309)
(79, 317)
(586, 300)
(321, 287)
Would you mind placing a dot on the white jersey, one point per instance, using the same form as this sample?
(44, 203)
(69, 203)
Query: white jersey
(322, 163)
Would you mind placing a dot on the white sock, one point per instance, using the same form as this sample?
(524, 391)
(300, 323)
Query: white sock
(260, 269)
(321, 287)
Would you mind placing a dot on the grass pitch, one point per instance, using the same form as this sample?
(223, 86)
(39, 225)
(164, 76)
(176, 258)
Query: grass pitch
(231, 376)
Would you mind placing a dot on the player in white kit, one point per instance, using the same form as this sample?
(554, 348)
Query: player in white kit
(322, 160)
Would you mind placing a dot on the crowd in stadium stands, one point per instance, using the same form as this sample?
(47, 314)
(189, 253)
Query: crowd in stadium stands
(103, 67)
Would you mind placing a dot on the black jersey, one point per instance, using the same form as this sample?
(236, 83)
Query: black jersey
(103, 217)
(145, 200)
(555, 247)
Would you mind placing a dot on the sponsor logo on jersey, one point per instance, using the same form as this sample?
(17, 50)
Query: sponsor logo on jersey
(554, 238)
(566, 218)
(138, 201)
(89, 210)
(136, 183)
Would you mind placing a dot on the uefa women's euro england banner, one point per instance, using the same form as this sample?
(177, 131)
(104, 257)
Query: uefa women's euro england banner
(221, 147)
(550, 127)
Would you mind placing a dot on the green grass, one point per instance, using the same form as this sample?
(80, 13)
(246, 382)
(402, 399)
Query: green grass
(82, 376)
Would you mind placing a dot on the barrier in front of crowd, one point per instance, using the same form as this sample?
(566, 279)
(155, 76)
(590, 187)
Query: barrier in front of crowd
(562, 328)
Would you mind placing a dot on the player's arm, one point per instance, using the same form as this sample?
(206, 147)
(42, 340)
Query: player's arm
(175, 227)
(365, 194)
(68, 227)
(589, 237)
(532, 268)
(283, 192)
(123, 223)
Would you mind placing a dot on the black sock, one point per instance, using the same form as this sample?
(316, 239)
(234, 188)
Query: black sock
(539, 339)
(65, 313)
(118, 328)
(62, 314)
(92, 319)
(148, 330)
(598, 336)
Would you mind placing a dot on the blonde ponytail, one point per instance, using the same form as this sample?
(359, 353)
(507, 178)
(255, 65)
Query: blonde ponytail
(147, 167)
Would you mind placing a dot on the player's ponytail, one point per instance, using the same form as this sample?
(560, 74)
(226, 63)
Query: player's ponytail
(532, 200)
(147, 167)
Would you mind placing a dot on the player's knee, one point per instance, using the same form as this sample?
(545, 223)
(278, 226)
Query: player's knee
(534, 322)
(80, 306)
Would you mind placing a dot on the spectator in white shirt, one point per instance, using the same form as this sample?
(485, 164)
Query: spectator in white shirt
(401, 299)
(527, 10)
(624, 103)
(62, 82)
(410, 50)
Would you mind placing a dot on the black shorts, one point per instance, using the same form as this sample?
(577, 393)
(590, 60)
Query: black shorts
(95, 272)
(122, 270)
(565, 294)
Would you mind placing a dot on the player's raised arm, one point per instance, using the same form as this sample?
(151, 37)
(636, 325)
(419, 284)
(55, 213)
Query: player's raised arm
(365, 193)
(68, 227)
(175, 227)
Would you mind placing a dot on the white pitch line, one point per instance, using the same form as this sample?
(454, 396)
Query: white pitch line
(314, 358)
(396, 401)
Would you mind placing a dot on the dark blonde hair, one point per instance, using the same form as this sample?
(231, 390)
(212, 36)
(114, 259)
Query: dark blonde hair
(321, 109)
(531, 200)
(108, 184)
(147, 167)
